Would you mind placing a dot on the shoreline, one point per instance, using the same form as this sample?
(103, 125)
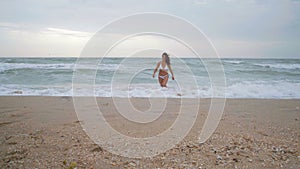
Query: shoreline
(44, 132)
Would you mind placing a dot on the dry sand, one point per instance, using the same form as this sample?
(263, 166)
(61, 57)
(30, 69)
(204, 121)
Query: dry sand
(44, 132)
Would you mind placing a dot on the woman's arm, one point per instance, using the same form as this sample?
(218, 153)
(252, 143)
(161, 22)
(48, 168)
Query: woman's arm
(173, 78)
(155, 70)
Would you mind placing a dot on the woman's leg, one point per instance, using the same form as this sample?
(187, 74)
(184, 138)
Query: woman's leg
(160, 80)
(165, 81)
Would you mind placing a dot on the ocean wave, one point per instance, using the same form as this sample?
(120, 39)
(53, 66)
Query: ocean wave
(233, 61)
(278, 65)
(68, 66)
(262, 72)
(10, 66)
(274, 90)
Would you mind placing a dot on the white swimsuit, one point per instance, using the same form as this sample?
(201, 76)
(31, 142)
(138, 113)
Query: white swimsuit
(165, 69)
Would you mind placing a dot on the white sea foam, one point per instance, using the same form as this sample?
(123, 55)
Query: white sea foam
(233, 61)
(238, 90)
(279, 89)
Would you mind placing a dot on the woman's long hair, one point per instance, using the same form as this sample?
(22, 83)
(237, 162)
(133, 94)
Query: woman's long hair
(167, 58)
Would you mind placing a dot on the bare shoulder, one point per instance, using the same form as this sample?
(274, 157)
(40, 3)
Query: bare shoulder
(157, 65)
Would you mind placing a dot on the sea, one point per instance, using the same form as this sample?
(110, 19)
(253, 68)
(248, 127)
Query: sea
(132, 77)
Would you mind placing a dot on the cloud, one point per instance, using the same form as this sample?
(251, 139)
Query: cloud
(200, 2)
(228, 22)
(68, 32)
(18, 40)
(5, 25)
(245, 48)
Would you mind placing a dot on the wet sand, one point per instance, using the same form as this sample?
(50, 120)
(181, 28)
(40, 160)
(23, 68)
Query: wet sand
(44, 132)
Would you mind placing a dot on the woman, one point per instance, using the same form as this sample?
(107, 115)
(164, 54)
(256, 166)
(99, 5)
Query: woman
(164, 66)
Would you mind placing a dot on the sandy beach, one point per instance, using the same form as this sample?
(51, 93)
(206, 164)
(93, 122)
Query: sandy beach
(44, 132)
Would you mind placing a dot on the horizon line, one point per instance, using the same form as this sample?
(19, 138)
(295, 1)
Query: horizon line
(204, 57)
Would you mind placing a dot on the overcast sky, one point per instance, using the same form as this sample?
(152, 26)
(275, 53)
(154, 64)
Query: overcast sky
(237, 28)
